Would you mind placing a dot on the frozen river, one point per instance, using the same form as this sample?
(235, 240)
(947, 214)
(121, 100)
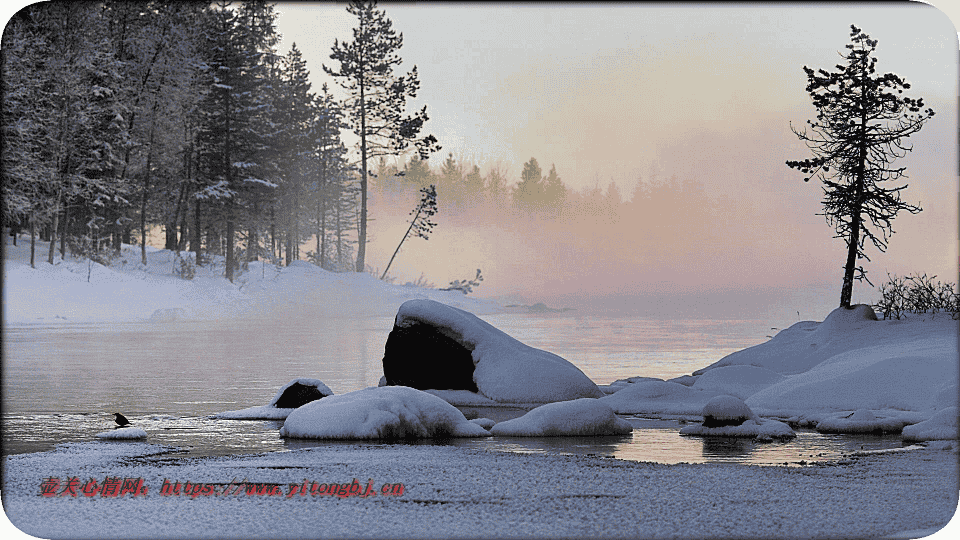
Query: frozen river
(63, 382)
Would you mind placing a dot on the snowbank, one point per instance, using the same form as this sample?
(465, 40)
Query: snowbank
(81, 291)
(656, 397)
(127, 433)
(583, 417)
(940, 426)
(386, 412)
(739, 381)
(436, 346)
(294, 394)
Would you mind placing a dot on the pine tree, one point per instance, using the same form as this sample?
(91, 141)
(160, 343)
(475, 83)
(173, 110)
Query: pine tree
(232, 138)
(861, 122)
(377, 98)
(528, 194)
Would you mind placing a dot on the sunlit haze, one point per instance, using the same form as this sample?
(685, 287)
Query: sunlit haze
(641, 93)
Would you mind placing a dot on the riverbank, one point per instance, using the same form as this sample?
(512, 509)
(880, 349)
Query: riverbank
(456, 492)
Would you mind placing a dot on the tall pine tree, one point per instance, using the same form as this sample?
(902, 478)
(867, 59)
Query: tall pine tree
(377, 98)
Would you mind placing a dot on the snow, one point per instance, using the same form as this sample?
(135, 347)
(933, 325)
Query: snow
(80, 291)
(740, 381)
(657, 397)
(453, 492)
(585, 417)
(860, 421)
(384, 412)
(729, 416)
(506, 370)
(726, 408)
(940, 426)
(762, 429)
(127, 433)
(270, 411)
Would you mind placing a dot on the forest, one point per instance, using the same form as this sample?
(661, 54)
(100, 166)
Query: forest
(122, 119)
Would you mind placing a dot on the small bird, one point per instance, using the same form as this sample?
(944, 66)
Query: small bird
(121, 419)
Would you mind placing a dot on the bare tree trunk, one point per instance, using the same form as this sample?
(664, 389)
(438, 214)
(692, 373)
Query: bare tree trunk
(63, 235)
(33, 242)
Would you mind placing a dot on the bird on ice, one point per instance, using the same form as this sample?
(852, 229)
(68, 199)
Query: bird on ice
(121, 419)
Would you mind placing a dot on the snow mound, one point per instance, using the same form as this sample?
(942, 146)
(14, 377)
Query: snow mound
(386, 412)
(941, 426)
(739, 381)
(907, 375)
(729, 416)
(762, 429)
(292, 395)
(726, 410)
(860, 421)
(585, 417)
(126, 434)
(807, 343)
(652, 396)
(432, 344)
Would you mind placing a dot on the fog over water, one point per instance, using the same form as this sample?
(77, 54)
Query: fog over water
(685, 110)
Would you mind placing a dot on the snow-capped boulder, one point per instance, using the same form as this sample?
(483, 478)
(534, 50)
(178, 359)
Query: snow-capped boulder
(762, 429)
(295, 393)
(436, 346)
(729, 416)
(124, 434)
(583, 417)
(653, 396)
(726, 410)
(941, 426)
(385, 412)
(860, 421)
(739, 381)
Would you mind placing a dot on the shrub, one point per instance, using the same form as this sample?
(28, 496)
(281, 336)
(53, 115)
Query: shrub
(917, 294)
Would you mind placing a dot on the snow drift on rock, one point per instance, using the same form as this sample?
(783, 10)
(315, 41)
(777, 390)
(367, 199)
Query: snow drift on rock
(651, 396)
(583, 417)
(726, 410)
(505, 370)
(386, 412)
(904, 375)
(860, 421)
(271, 411)
(729, 416)
(807, 343)
(739, 381)
(941, 426)
(127, 433)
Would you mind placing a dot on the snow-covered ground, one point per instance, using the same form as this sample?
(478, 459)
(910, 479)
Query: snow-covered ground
(451, 492)
(72, 291)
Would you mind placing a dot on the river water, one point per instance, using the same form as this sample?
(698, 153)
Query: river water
(62, 383)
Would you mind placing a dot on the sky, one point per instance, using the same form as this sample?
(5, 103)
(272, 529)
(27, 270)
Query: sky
(630, 92)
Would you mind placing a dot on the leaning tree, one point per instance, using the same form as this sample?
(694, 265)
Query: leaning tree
(862, 119)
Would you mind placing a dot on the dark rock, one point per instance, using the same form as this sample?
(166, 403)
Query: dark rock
(421, 356)
(297, 395)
